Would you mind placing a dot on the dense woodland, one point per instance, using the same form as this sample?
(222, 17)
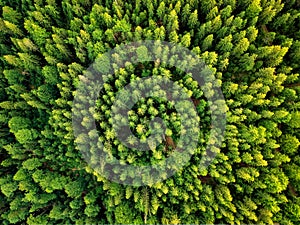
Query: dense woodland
(252, 48)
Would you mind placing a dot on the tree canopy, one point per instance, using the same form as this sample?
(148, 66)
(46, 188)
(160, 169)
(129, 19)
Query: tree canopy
(251, 48)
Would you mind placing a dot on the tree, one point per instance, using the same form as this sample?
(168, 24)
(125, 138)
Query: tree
(26, 136)
(241, 47)
(295, 120)
(290, 144)
(173, 24)
(207, 42)
(225, 44)
(193, 19)
(206, 6)
(185, 13)
(17, 123)
(186, 40)
(161, 10)
(173, 37)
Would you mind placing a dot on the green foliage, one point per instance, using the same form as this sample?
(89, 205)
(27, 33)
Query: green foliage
(295, 120)
(251, 47)
(290, 144)
(17, 123)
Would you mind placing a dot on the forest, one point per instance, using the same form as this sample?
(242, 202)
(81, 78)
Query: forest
(208, 89)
